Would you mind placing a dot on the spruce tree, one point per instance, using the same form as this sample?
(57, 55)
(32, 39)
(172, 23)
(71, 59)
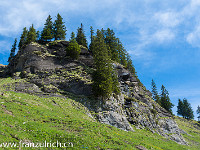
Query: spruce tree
(198, 112)
(31, 36)
(165, 101)
(47, 32)
(72, 38)
(187, 110)
(122, 54)
(154, 91)
(91, 34)
(23, 38)
(91, 39)
(12, 52)
(81, 38)
(59, 28)
(184, 109)
(102, 77)
(180, 108)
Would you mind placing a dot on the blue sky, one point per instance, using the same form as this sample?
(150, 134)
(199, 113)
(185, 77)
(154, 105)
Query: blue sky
(162, 37)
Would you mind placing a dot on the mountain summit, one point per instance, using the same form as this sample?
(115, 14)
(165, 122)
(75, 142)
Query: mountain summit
(46, 70)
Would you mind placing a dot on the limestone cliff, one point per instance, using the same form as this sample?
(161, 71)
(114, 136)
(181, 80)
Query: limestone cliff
(49, 72)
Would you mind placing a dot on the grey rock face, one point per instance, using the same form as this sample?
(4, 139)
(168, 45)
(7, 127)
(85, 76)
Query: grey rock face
(171, 130)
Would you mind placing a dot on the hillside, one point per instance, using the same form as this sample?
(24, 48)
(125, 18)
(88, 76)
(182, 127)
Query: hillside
(49, 97)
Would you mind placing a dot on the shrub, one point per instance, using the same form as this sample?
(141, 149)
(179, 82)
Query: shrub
(73, 50)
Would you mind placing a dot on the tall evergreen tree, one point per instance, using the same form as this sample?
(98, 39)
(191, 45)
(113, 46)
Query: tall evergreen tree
(23, 38)
(187, 111)
(122, 54)
(12, 52)
(59, 28)
(165, 101)
(31, 36)
(91, 34)
(91, 39)
(154, 91)
(180, 108)
(81, 38)
(102, 77)
(111, 42)
(184, 109)
(47, 32)
(198, 112)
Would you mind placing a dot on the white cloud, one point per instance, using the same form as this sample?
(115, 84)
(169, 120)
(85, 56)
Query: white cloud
(167, 19)
(164, 35)
(194, 37)
(23, 13)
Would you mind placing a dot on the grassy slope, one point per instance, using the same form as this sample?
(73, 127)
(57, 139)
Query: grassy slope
(34, 119)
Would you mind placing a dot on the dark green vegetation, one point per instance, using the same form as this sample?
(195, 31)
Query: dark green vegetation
(35, 119)
(81, 38)
(198, 112)
(184, 109)
(12, 52)
(73, 50)
(47, 32)
(102, 77)
(163, 99)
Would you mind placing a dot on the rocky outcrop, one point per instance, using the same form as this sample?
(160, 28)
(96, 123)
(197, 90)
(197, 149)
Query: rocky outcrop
(49, 70)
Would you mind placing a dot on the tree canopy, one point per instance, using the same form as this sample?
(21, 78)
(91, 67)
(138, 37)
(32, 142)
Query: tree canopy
(47, 32)
(59, 28)
(12, 51)
(81, 38)
(165, 101)
(184, 109)
(31, 36)
(103, 78)
(23, 38)
(154, 92)
(73, 49)
(198, 112)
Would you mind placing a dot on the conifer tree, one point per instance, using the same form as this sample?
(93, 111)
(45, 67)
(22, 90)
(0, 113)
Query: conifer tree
(122, 54)
(187, 110)
(111, 42)
(12, 52)
(198, 112)
(91, 39)
(130, 66)
(72, 38)
(102, 77)
(154, 91)
(59, 28)
(73, 49)
(81, 38)
(23, 38)
(91, 34)
(184, 109)
(31, 36)
(47, 32)
(180, 108)
(165, 101)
